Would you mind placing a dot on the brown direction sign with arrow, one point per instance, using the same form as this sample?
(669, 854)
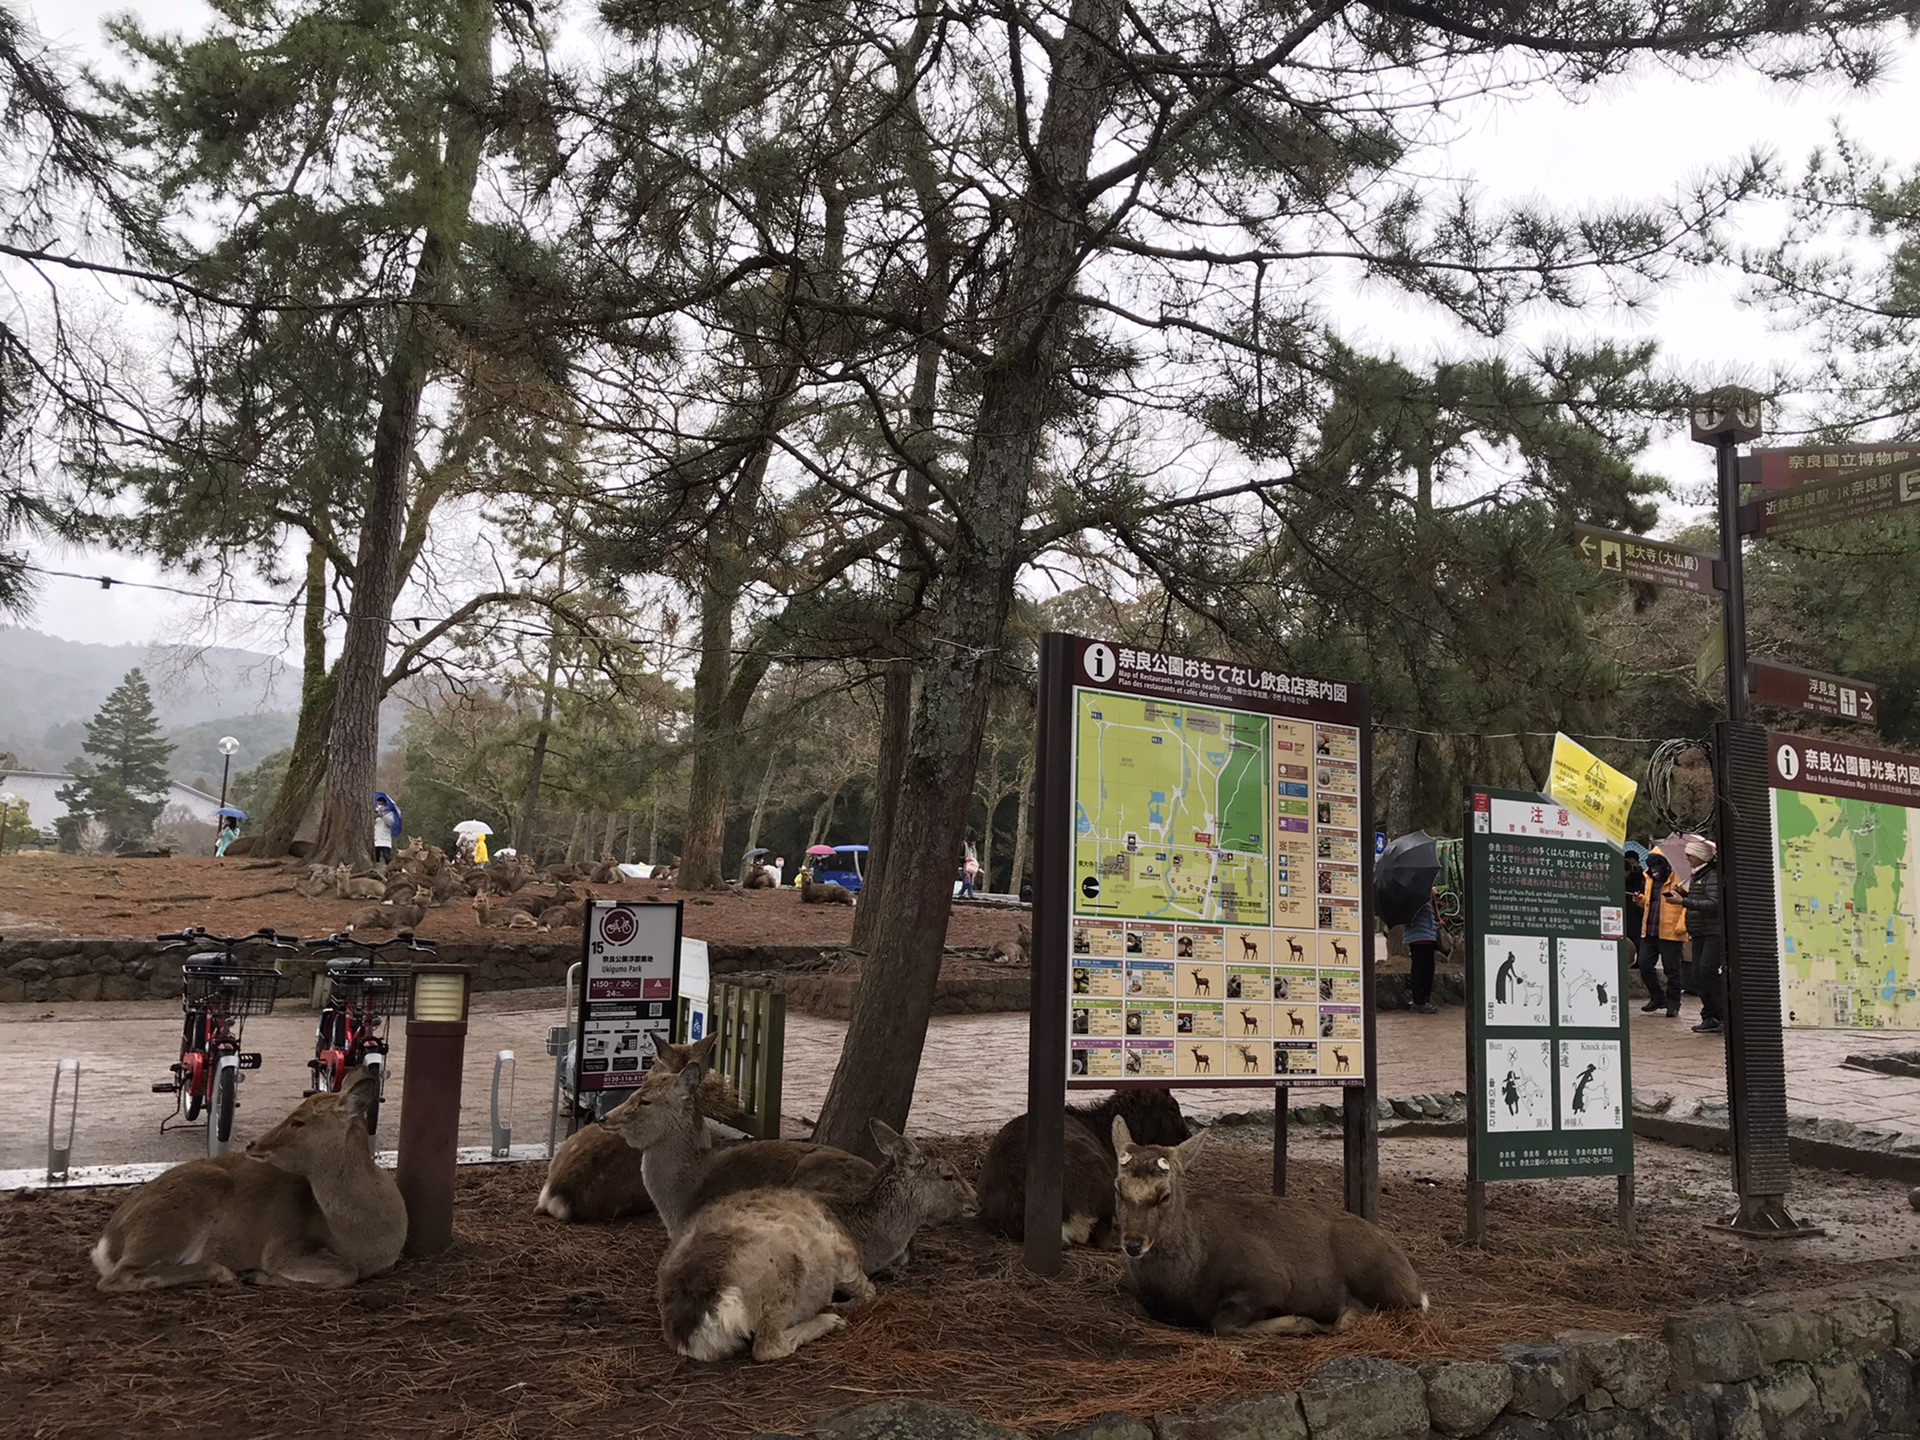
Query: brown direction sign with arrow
(1635, 557)
(1827, 502)
(1792, 688)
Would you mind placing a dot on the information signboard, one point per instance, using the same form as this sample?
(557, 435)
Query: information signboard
(1655, 562)
(1782, 468)
(1549, 1078)
(1813, 691)
(1846, 836)
(1219, 916)
(629, 987)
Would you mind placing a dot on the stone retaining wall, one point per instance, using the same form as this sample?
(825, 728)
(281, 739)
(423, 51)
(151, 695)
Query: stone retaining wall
(1839, 1369)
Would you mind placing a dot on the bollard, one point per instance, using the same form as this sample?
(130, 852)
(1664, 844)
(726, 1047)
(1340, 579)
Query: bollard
(59, 1148)
(430, 1103)
(502, 1115)
(557, 1038)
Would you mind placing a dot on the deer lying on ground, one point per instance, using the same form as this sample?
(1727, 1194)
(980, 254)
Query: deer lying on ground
(1087, 1189)
(1246, 1264)
(349, 886)
(305, 1205)
(392, 917)
(607, 872)
(812, 894)
(595, 1176)
(664, 1121)
(488, 912)
(764, 1266)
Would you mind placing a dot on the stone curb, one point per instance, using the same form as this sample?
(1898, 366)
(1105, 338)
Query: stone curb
(1832, 1368)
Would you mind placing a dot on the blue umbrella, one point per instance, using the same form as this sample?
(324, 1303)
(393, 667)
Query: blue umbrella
(227, 812)
(380, 797)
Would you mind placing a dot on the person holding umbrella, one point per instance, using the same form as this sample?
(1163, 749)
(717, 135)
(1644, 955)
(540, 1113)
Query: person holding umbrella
(1403, 893)
(386, 825)
(230, 819)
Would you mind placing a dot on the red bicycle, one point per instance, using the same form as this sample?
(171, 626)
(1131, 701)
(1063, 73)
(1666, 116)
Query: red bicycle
(361, 997)
(217, 993)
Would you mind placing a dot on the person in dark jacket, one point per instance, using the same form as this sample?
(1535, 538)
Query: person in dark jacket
(1663, 935)
(1423, 942)
(1702, 902)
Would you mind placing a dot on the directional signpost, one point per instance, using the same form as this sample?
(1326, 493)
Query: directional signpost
(1655, 562)
(1856, 496)
(1780, 468)
(1792, 688)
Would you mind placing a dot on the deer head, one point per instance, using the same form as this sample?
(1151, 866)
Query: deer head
(667, 1101)
(936, 1191)
(1146, 1189)
(322, 1129)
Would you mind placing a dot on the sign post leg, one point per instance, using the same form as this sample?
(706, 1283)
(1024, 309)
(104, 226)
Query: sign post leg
(1052, 910)
(1756, 1045)
(1279, 1139)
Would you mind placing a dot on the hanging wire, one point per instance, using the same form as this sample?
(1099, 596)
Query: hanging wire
(1662, 767)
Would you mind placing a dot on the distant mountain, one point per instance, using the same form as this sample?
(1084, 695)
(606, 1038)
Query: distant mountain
(50, 687)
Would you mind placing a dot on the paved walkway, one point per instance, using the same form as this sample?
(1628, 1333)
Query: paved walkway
(973, 1075)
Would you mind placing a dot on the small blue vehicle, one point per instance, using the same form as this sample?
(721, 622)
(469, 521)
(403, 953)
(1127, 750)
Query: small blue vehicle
(846, 867)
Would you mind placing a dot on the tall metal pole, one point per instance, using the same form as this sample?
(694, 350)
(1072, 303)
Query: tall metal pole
(226, 764)
(1755, 1038)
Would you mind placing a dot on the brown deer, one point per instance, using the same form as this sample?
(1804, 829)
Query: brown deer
(1295, 1025)
(812, 894)
(1249, 948)
(349, 886)
(595, 1176)
(1340, 1060)
(1249, 1023)
(664, 1122)
(1087, 1190)
(1340, 952)
(764, 1267)
(1202, 1060)
(305, 1205)
(1247, 1264)
(1249, 1060)
(1202, 985)
(1294, 952)
(392, 916)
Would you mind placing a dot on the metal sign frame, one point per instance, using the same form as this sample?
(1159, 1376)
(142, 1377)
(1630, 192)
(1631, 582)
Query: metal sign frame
(628, 993)
(1567, 896)
(1071, 666)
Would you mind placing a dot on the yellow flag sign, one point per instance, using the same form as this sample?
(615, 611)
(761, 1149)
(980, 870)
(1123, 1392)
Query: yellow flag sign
(1591, 788)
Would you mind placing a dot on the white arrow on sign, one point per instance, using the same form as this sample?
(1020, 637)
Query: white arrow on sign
(1866, 703)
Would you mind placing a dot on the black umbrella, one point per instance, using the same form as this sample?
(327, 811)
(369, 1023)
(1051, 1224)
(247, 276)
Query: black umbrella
(1403, 877)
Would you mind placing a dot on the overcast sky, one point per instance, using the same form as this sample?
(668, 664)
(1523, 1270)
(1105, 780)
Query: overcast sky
(1634, 140)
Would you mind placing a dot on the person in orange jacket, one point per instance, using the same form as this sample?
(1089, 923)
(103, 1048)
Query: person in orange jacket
(1663, 941)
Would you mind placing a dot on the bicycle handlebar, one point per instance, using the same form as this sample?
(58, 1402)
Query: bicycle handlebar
(405, 940)
(181, 939)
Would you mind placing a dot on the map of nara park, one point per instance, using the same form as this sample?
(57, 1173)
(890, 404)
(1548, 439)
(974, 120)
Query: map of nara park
(1847, 912)
(1170, 811)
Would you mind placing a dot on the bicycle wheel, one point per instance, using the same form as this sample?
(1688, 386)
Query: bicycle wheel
(196, 1101)
(226, 1099)
(373, 1110)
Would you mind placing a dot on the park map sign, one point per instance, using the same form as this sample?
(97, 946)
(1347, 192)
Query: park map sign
(1846, 830)
(1547, 1065)
(1219, 891)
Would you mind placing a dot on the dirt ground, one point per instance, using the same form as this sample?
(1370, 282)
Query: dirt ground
(532, 1328)
(52, 895)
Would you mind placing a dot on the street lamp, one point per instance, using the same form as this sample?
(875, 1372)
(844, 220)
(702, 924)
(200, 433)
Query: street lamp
(430, 1103)
(1756, 1042)
(7, 801)
(228, 747)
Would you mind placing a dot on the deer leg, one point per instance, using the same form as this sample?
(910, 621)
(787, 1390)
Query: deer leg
(777, 1344)
(854, 1285)
(319, 1268)
(1276, 1325)
(128, 1279)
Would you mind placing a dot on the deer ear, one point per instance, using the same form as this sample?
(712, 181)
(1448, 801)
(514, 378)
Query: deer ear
(359, 1093)
(701, 1051)
(892, 1143)
(1186, 1150)
(688, 1080)
(1122, 1138)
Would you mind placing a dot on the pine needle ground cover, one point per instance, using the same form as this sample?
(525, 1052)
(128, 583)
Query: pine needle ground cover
(532, 1328)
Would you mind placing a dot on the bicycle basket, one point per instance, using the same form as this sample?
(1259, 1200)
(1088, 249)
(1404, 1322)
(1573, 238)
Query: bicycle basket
(376, 991)
(236, 989)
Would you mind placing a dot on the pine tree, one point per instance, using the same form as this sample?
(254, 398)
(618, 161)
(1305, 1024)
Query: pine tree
(124, 786)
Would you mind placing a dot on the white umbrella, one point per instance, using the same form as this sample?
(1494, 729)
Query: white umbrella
(473, 827)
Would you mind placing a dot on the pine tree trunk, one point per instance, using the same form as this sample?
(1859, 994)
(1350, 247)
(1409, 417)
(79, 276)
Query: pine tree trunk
(653, 833)
(353, 737)
(1406, 764)
(1022, 819)
(308, 763)
(896, 721)
(607, 836)
(759, 814)
(633, 828)
(577, 842)
(880, 1061)
(525, 824)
